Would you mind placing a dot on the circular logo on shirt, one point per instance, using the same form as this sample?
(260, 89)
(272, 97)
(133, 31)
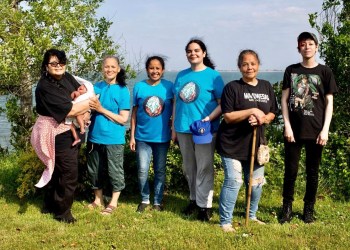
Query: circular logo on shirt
(153, 106)
(189, 92)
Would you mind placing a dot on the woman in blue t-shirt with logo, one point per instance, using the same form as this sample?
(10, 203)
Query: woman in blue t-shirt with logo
(106, 138)
(151, 130)
(197, 93)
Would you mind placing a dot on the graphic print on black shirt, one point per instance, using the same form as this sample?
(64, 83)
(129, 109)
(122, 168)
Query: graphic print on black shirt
(256, 97)
(303, 93)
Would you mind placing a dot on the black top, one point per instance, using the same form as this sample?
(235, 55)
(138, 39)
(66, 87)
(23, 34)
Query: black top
(307, 100)
(53, 99)
(234, 140)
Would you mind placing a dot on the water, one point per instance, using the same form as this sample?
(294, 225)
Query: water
(227, 76)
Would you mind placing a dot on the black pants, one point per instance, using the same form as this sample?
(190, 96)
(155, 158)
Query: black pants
(291, 163)
(60, 190)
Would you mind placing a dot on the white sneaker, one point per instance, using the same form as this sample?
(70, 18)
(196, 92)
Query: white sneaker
(227, 228)
(257, 221)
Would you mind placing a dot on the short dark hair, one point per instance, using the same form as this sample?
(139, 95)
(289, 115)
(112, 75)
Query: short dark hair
(246, 52)
(207, 61)
(307, 35)
(60, 54)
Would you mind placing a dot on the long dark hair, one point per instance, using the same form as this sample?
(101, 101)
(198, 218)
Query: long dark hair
(121, 76)
(60, 54)
(206, 60)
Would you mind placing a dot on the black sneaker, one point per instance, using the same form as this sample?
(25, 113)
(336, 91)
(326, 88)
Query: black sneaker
(204, 214)
(308, 215)
(286, 212)
(141, 208)
(158, 208)
(191, 208)
(68, 220)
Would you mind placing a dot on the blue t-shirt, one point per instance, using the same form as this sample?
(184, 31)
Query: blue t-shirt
(154, 109)
(196, 94)
(113, 98)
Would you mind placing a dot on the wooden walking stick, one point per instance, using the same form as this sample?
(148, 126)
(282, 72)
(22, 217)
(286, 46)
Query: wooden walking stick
(252, 159)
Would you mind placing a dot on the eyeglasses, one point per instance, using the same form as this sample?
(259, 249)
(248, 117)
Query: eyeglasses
(55, 64)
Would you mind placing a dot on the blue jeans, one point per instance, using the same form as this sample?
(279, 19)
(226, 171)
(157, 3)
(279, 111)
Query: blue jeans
(233, 182)
(144, 151)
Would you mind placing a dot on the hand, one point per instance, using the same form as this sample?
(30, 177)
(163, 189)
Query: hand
(259, 115)
(288, 134)
(253, 121)
(206, 119)
(132, 144)
(322, 138)
(94, 104)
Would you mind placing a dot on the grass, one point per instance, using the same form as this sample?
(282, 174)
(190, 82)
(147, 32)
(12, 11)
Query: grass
(24, 227)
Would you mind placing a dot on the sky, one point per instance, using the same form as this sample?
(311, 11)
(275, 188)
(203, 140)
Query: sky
(163, 27)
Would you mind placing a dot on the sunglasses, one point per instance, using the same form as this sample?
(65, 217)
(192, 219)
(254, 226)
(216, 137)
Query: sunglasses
(55, 64)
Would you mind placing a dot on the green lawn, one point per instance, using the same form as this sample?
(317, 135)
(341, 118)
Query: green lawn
(24, 227)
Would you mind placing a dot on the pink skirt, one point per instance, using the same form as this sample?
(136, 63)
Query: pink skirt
(43, 141)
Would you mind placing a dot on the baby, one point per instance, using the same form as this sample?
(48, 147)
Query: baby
(84, 92)
(80, 118)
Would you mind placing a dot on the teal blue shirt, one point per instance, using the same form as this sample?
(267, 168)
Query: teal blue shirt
(154, 109)
(113, 98)
(196, 94)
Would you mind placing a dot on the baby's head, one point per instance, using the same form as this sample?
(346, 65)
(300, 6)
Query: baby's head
(82, 89)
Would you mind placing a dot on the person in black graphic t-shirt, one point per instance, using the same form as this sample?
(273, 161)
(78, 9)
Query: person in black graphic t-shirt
(245, 104)
(307, 107)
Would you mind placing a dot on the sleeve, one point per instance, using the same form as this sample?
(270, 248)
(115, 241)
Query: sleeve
(227, 99)
(218, 86)
(176, 83)
(330, 84)
(125, 99)
(97, 88)
(134, 95)
(287, 79)
(55, 103)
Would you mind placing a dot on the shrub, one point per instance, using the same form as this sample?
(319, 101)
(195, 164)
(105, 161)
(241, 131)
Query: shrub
(30, 168)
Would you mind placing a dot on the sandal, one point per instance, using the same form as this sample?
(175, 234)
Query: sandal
(108, 210)
(93, 206)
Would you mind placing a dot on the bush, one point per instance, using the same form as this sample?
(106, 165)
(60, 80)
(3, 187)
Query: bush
(31, 169)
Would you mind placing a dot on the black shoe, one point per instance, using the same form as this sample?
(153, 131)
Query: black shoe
(46, 210)
(286, 212)
(191, 208)
(141, 208)
(204, 214)
(158, 208)
(68, 220)
(308, 215)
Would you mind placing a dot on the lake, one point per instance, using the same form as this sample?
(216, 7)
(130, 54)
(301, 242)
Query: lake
(273, 77)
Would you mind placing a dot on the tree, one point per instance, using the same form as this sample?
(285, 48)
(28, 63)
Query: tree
(27, 30)
(333, 24)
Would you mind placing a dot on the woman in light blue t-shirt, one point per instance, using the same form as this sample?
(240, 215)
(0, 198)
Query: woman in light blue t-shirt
(106, 138)
(197, 93)
(151, 130)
